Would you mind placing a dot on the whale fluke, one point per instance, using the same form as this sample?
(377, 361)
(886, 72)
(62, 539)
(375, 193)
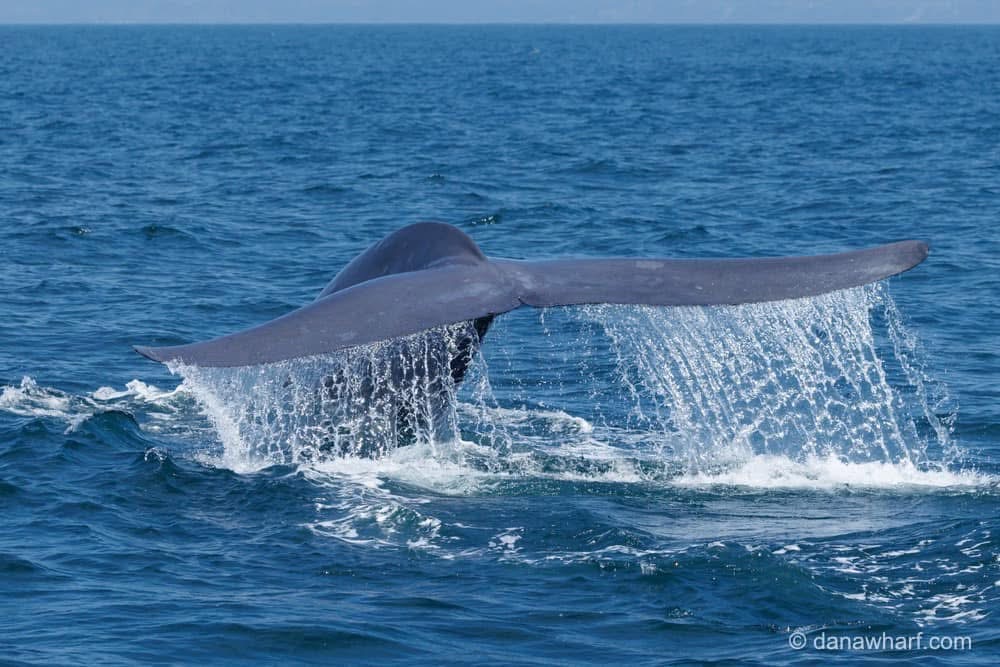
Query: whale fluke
(432, 274)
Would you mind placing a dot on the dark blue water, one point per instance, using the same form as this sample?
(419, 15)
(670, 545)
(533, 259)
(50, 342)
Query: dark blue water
(624, 485)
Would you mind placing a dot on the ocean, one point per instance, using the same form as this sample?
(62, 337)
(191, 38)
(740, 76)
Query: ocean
(806, 481)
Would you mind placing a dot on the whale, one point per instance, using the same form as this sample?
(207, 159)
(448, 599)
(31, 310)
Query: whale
(395, 331)
(432, 274)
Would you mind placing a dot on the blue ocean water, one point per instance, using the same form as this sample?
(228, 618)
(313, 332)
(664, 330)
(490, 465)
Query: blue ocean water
(623, 485)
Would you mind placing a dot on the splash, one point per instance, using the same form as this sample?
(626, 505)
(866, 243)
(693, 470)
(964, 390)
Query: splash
(818, 392)
(806, 379)
(361, 402)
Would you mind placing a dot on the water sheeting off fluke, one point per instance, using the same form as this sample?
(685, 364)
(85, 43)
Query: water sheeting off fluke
(361, 402)
(805, 379)
(823, 389)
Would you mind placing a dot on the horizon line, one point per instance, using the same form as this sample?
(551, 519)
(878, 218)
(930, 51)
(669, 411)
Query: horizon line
(249, 23)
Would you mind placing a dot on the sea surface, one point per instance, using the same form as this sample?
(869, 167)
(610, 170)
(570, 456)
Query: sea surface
(619, 485)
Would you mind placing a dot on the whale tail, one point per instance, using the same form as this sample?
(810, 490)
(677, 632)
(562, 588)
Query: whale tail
(379, 297)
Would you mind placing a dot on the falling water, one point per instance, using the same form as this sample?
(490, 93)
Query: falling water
(803, 379)
(705, 388)
(363, 401)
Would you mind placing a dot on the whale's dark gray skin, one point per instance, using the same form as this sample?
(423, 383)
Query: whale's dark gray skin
(431, 274)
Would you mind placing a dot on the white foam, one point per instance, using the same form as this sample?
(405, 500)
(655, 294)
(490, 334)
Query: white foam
(156, 409)
(29, 400)
(437, 467)
(831, 472)
(506, 541)
(364, 510)
(788, 548)
(136, 389)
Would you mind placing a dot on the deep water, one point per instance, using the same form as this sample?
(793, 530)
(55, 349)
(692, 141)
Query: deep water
(617, 485)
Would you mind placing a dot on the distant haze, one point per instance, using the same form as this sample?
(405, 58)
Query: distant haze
(500, 11)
